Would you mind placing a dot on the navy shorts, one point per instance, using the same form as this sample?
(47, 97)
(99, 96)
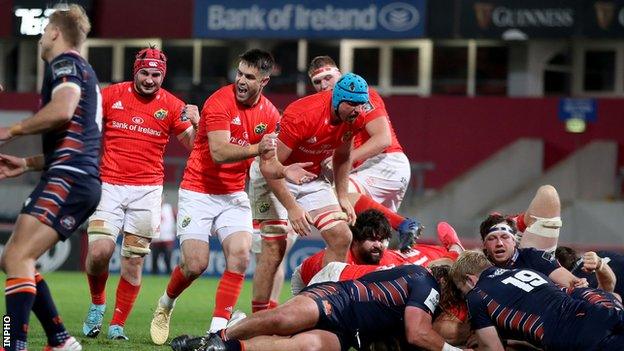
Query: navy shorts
(63, 200)
(339, 314)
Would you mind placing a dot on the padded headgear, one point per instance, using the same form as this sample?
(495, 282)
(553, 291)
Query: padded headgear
(351, 88)
(150, 58)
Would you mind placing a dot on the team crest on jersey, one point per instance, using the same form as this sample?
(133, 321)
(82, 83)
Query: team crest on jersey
(263, 207)
(185, 222)
(368, 107)
(68, 222)
(260, 128)
(161, 114)
(347, 136)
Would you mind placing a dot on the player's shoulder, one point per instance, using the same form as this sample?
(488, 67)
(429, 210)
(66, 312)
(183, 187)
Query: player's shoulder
(223, 97)
(169, 98)
(66, 64)
(310, 102)
(267, 106)
(118, 88)
(533, 253)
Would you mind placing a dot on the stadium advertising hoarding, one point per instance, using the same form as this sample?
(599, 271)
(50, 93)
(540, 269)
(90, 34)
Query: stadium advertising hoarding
(216, 264)
(31, 16)
(604, 19)
(309, 19)
(520, 20)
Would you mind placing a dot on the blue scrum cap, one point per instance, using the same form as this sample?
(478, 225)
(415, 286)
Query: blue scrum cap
(351, 88)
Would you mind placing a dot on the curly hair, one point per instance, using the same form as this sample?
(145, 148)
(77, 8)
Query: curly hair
(371, 225)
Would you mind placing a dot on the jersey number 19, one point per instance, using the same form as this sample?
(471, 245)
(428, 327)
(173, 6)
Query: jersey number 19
(525, 280)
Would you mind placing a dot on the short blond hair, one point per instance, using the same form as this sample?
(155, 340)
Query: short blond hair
(73, 22)
(469, 262)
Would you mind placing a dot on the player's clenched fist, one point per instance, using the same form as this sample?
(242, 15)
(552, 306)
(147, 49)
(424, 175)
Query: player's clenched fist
(268, 143)
(191, 113)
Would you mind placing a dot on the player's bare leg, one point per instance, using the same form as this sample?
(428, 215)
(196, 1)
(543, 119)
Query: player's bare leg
(236, 248)
(101, 248)
(268, 263)
(311, 340)
(543, 220)
(29, 240)
(299, 313)
(193, 262)
(278, 280)
(335, 232)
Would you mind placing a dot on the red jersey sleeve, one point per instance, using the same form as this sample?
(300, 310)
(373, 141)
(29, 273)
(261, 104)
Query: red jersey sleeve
(311, 265)
(375, 108)
(178, 126)
(215, 114)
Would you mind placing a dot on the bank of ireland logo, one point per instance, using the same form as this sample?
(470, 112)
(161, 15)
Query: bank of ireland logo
(185, 222)
(260, 128)
(263, 207)
(399, 17)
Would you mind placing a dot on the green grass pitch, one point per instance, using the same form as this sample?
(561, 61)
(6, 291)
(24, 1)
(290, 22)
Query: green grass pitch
(192, 313)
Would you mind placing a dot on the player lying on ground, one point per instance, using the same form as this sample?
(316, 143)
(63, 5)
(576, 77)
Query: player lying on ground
(400, 302)
(522, 304)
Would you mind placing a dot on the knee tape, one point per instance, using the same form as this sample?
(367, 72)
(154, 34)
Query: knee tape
(140, 248)
(329, 219)
(274, 229)
(102, 230)
(546, 227)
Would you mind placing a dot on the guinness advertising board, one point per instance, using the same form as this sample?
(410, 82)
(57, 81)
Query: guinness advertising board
(520, 20)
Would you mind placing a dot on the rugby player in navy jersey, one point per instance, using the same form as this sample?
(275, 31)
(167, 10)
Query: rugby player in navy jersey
(523, 304)
(70, 124)
(400, 302)
(602, 269)
(501, 248)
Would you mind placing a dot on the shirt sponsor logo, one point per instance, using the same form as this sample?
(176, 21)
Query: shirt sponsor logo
(117, 105)
(312, 140)
(161, 114)
(236, 120)
(137, 120)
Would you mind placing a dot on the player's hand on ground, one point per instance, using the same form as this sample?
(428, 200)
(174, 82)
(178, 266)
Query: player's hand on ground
(1, 88)
(268, 143)
(191, 113)
(346, 206)
(300, 220)
(296, 173)
(591, 261)
(11, 166)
